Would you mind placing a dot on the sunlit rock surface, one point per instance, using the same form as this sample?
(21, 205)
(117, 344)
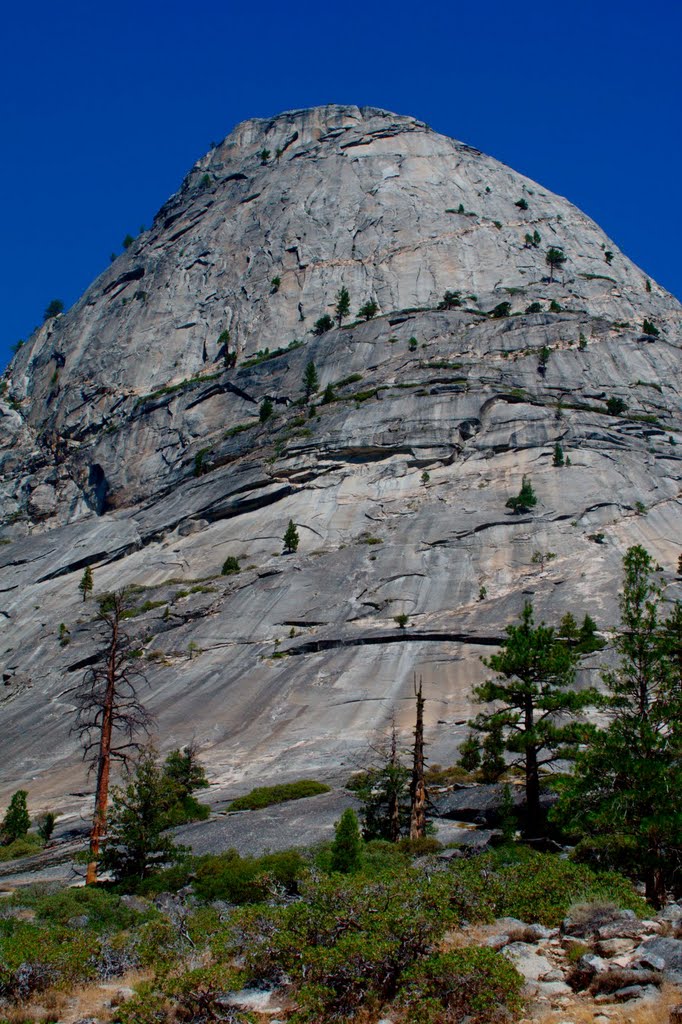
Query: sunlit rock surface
(120, 450)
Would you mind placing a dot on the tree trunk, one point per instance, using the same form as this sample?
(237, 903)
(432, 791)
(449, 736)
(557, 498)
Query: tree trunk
(418, 787)
(99, 821)
(532, 777)
(393, 802)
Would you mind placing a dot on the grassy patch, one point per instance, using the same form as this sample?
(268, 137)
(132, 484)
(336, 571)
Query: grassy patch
(132, 613)
(170, 389)
(265, 796)
(265, 354)
(239, 429)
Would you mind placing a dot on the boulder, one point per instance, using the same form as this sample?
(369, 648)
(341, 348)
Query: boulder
(659, 950)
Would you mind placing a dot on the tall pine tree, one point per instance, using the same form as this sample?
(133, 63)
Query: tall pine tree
(623, 802)
(532, 698)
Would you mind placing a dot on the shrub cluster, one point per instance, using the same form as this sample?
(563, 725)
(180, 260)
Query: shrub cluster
(264, 796)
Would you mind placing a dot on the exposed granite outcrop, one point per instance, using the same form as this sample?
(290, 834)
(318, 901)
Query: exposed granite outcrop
(398, 486)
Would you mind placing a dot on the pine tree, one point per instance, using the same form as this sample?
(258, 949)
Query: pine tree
(526, 498)
(86, 584)
(623, 802)
(347, 845)
(368, 310)
(323, 324)
(185, 772)
(533, 697)
(46, 826)
(108, 714)
(265, 411)
(342, 307)
(135, 843)
(558, 459)
(291, 538)
(555, 258)
(470, 753)
(310, 380)
(385, 796)
(184, 775)
(17, 821)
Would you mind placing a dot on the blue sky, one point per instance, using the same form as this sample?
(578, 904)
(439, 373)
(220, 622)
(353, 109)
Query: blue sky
(105, 107)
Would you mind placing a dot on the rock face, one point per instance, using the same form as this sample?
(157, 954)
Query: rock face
(131, 442)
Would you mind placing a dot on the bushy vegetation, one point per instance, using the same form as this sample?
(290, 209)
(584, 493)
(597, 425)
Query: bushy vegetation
(265, 796)
(525, 500)
(471, 983)
(339, 943)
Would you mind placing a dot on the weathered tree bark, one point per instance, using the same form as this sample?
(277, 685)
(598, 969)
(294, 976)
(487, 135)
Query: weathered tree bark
(108, 713)
(418, 786)
(99, 821)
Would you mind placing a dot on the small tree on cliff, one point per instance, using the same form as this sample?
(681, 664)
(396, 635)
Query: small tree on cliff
(291, 537)
(310, 380)
(342, 307)
(17, 821)
(86, 584)
(555, 258)
(109, 713)
(533, 697)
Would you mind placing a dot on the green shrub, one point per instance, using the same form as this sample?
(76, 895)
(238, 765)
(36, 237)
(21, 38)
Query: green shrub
(501, 310)
(266, 409)
(230, 566)
(239, 429)
(475, 983)
(323, 324)
(265, 796)
(200, 465)
(26, 846)
(526, 498)
(145, 1007)
(105, 910)
(368, 310)
(541, 887)
(246, 879)
(555, 307)
(412, 344)
(346, 849)
(616, 406)
(650, 329)
(54, 308)
(346, 944)
(534, 307)
(34, 957)
(450, 300)
(522, 204)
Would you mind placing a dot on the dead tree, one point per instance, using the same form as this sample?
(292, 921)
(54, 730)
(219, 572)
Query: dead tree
(109, 714)
(418, 786)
